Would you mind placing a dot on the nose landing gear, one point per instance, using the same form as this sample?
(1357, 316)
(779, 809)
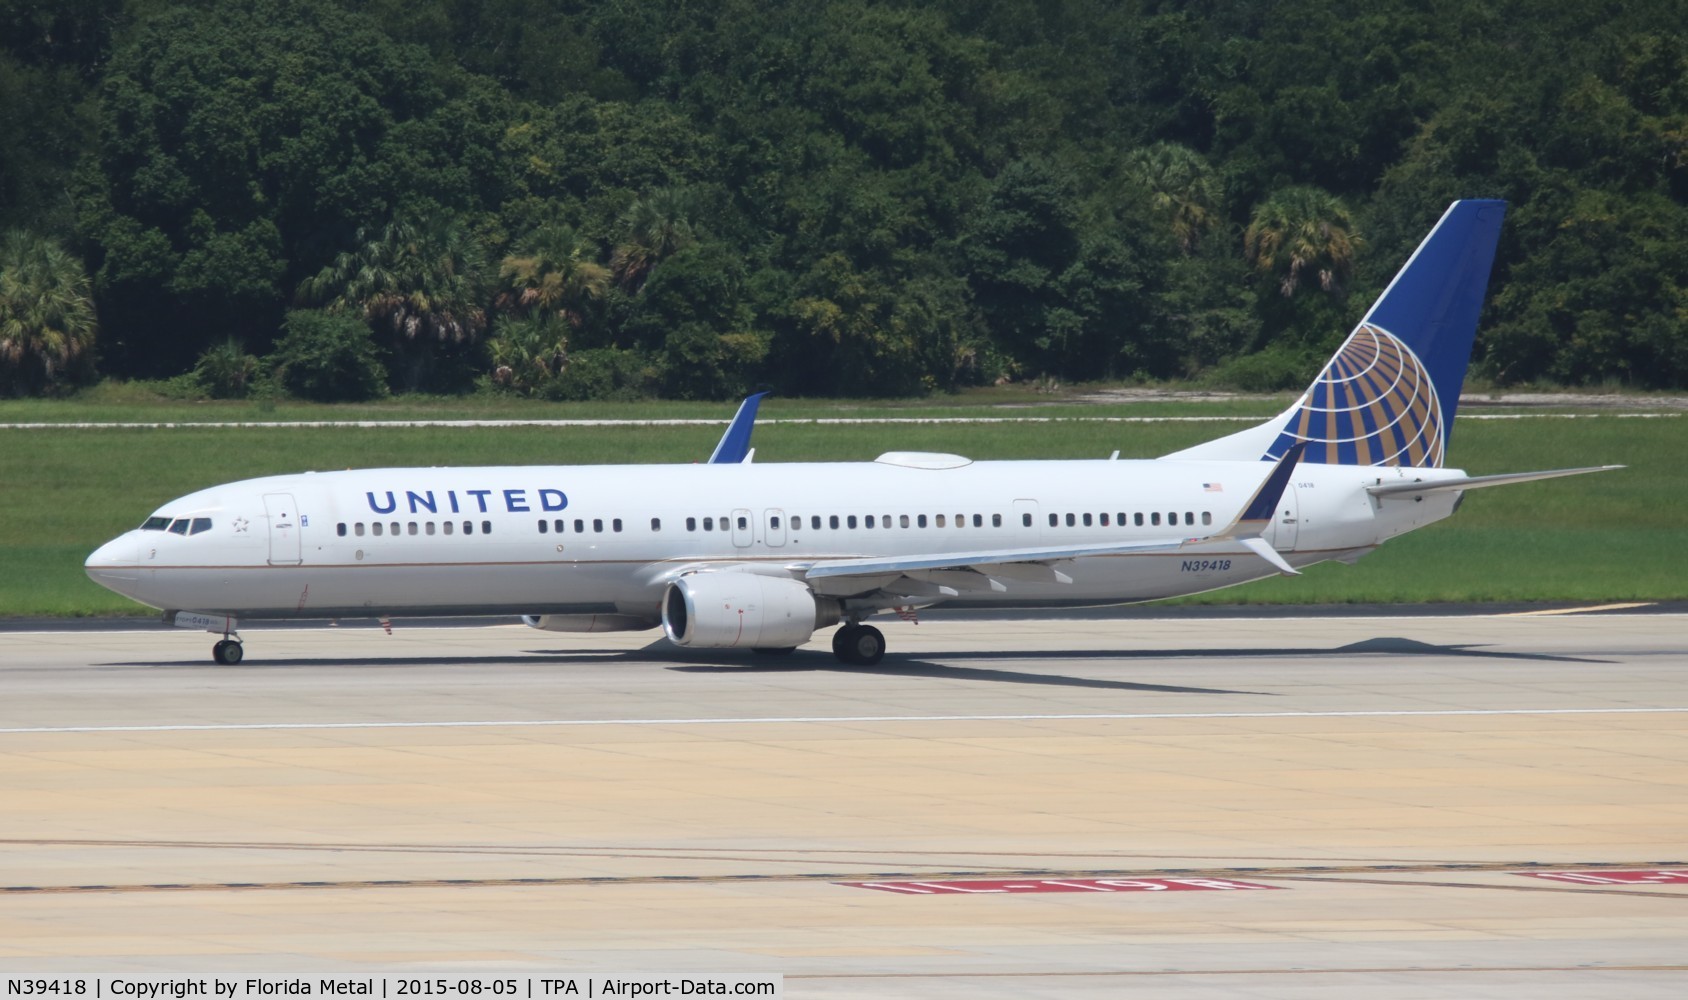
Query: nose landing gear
(228, 652)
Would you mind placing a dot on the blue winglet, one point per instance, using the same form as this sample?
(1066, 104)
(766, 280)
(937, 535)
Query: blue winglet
(1261, 507)
(734, 445)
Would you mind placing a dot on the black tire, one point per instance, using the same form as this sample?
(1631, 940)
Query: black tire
(859, 645)
(843, 642)
(227, 652)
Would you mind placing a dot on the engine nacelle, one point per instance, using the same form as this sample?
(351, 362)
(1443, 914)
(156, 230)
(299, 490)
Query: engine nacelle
(743, 610)
(589, 623)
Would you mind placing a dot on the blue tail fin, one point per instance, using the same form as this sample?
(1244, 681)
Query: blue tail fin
(1389, 394)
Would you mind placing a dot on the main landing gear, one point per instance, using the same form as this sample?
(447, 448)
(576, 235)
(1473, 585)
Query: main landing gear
(228, 652)
(858, 645)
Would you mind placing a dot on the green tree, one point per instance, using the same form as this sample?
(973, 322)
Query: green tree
(1183, 190)
(328, 358)
(424, 279)
(553, 274)
(1301, 234)
(47, 320)
(652, 229)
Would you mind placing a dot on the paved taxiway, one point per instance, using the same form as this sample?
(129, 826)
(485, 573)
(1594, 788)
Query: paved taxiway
(692, 812)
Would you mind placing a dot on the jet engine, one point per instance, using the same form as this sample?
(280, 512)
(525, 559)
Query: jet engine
(743, 610)
(589, 623)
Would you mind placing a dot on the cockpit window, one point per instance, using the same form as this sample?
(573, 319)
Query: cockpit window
(156, 524)
(200, 524)
(179, 526)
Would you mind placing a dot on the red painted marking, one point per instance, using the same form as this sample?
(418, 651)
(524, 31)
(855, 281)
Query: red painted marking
(1059, 885)
(1614, 878)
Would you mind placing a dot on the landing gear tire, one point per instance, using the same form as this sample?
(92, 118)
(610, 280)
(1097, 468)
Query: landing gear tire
(227, 652)
(859, 645)
(773, 650)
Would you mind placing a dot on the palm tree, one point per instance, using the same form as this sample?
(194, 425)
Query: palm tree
(47, 316)
(654, 227)
(1300, 231)
(554, 274)
(1181, 186)
(417, 277)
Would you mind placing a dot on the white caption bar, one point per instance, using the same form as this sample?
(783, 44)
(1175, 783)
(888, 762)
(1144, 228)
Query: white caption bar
(395, 987)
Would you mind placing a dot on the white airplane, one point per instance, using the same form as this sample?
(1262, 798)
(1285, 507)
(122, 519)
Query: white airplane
(733, 554)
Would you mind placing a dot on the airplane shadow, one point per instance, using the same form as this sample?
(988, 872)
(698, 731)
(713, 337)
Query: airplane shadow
(896, 665)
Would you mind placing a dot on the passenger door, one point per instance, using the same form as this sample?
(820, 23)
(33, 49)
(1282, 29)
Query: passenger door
(284, 529)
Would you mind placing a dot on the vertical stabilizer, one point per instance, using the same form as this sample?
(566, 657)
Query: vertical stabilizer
(1389, 394)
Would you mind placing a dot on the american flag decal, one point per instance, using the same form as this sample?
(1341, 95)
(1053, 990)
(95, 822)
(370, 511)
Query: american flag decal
(1212, 488)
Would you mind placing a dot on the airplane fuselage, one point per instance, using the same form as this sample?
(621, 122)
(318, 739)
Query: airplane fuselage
(606, 540)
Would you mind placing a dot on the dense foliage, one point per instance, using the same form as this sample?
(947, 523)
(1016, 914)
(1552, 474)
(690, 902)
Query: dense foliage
(853, 198)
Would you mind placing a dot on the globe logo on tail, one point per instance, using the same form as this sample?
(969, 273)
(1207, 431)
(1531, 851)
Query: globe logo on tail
(1374, 404)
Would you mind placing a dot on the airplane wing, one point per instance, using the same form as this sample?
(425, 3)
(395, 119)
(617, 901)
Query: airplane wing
(1417, 489)
(947, 573)
(734, 446)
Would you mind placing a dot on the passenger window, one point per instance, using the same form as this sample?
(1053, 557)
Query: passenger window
(709, 524)
(486, 527)
(1137, 519)
(961, 520)
(413, 528)
(1026, 520)
(1154, 519)
(1054, 520)
(691, 524)
(376, 529)
(996, 520)
(774, 523)
(598, 524)
(428, 527)
(1189, 517)
(868, 521)
(579, 526)
(1104, 519)
(558, 525)
(179, 526)
(1207, 517)
(615, 525)
(815, 521)
(468, 527)
(1071, 520)
(544, 526)
(1121, 519)
(155, 524)
(743, 523)
(446, 527)
(851, 520)
(938, 522)
(357, 529)
(393, 528)
(979, 520)
(656, 524)
(340, 529)
(832, 522)
(885, 522)
(1087, 520)
(920, 520)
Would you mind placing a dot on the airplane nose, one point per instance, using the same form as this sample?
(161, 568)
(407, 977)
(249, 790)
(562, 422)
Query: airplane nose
(115, 563)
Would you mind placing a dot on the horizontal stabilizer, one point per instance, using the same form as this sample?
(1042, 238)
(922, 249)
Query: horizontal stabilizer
(1417, 489)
